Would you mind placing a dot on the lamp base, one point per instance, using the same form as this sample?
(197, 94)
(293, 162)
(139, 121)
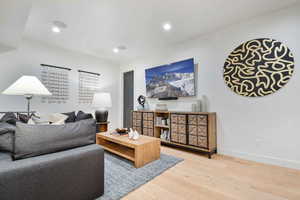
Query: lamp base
(101, 115)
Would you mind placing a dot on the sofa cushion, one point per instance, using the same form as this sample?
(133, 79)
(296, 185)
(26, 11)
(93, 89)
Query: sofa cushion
(10, 118)
(82, 116)
(7, 132)
(71, 117)
(34, 140)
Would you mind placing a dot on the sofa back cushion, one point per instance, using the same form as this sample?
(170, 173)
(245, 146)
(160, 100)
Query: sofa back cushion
(10, 118)
(34, 140)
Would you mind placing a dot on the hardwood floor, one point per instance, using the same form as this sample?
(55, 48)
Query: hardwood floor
(221, 178)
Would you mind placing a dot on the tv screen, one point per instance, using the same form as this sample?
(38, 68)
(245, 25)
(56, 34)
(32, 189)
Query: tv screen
(172, 80)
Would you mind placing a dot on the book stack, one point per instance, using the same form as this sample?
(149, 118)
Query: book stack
(162, 121)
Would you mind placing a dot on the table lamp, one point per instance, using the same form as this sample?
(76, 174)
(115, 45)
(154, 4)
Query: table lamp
(101, 101)
(27, 86)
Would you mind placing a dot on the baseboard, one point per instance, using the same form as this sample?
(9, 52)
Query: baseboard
(263, 159)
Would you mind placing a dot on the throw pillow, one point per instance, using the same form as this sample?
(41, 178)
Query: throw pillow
(60, 122)
(71, 117)
(82, 115)
(38, 120)
(34, 140)
(30, 121)
(57, 117)
(23, 118)
(10, 118)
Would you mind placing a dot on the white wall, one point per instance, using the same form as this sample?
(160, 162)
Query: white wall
(263, 129)
(26, 60)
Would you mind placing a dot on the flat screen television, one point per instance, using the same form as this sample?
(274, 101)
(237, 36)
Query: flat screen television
(171, 80)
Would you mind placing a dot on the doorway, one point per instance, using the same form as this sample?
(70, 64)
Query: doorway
(128, 93)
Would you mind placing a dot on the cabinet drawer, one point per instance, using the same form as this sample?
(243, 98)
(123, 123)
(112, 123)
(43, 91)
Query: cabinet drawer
(193, 140)
(182, 138)
(181, 119)
(174, 137)
(174, 118)
(138, 122)
(150, 116)
(202, 142)
(139, 130)
(145, 124)
(193, 130)
(138, 115)
(150, 124)
(202, 119)
(145, 116)
(145, 131)
(150, 132)
(181, 129)
(133, 115)
(174, 128)
(202, 131)
(192, 119)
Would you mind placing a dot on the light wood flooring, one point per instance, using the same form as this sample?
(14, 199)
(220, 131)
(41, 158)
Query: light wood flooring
(221, 178)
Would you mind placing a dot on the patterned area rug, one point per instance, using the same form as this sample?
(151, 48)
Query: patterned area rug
(121, 177)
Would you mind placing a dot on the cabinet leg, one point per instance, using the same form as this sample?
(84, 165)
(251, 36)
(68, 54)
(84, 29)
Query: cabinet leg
(209, 155)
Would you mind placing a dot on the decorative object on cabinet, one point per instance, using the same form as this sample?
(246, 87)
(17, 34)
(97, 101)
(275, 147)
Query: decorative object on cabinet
(258, 67)
(27, 86)
(142, 100)
(190, 130)
(102, 101)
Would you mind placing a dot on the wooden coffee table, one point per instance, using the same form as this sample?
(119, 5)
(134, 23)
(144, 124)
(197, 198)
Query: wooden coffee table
(142, 151)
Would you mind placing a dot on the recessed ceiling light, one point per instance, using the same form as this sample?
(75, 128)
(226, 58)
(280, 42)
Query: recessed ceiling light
(116, 50)
(167, 26)
(57, 26)
(55, 29)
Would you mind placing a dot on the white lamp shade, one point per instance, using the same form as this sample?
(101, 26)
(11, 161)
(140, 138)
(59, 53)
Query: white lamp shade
(27, 85)
(102, 100)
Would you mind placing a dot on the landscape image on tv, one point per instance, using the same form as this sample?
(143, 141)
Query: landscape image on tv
(173, 80)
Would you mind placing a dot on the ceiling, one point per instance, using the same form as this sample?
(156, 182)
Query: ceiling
(97, 26)
(11, 25)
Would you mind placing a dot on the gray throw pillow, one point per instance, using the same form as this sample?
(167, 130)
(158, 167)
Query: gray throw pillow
(34, 140)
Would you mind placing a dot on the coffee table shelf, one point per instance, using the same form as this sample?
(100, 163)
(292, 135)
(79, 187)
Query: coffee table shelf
(141, 152)
(118, 149)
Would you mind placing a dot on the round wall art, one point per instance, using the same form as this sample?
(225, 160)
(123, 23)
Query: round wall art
(258, 67)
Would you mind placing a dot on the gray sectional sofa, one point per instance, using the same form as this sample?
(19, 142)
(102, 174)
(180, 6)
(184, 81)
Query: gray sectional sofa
(75, 174)
(53, 162)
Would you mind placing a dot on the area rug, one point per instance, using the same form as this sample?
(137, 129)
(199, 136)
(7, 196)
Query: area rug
(121, 177)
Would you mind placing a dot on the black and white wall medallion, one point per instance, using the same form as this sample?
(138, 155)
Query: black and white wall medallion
(258, 67)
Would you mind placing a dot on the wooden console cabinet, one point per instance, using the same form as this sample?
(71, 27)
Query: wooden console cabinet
(190, 130)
